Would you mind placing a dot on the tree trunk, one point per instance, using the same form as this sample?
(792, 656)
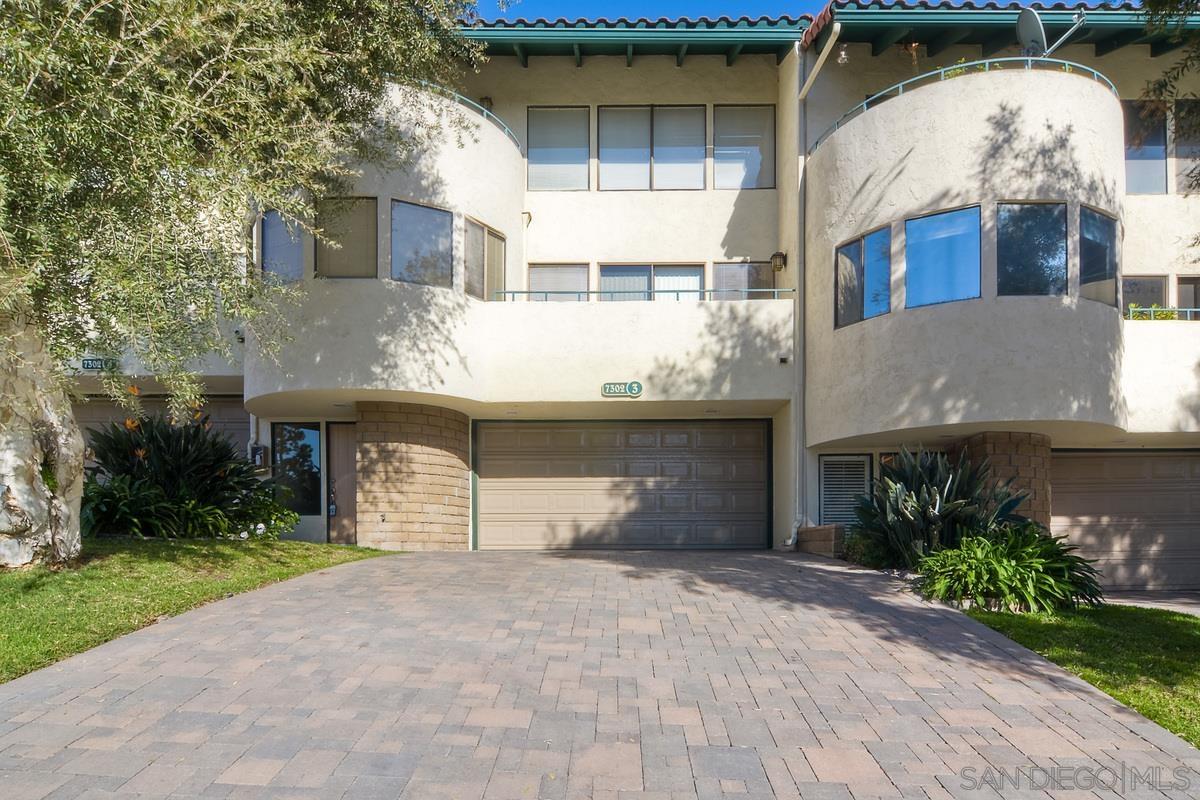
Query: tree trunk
(41, 453)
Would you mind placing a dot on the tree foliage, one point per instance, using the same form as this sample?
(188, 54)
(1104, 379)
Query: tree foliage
(136, 136)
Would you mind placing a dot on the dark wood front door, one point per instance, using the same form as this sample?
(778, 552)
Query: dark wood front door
(343, 488)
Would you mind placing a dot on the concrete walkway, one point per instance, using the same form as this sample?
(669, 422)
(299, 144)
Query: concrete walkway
(584, 675)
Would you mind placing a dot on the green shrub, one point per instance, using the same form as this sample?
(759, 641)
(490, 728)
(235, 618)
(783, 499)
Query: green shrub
(156, 478)
(922, 503)
(1017, 567)
(867, 551)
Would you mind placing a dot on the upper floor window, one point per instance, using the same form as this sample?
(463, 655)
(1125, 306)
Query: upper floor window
(348, 247)
(744, 147)
(558, 145)
(282, 252)
(864, 278)
(651, 147)
(558, 282)
(484, 258)
(1031, 249)
(1188, 293)
(1187, 146)
(645, 282)
(1144, 291)
(421, 244)
(942, 257)
(743, 280)
(1145, 149)
(1097, 256)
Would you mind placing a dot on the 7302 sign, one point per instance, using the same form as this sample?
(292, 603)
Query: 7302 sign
(621, 389)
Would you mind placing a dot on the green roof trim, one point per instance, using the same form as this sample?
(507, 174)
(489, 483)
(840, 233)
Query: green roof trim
(679, 38)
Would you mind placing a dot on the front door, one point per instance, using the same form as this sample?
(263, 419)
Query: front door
(343, 450)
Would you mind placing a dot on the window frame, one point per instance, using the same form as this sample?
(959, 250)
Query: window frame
(1166, 285)
(587, 267)
(586, 108)
(1127, 103)
(262, 247)
(316, 268)
(319, 461)
(1066, 207)
(391, 273)
(1191, 278)
(862, 240)
(1116, 220)
(650, 187)
(979, 295)
(761, 294)
(774, 146)
(487, 229)
(867, 458)
(652, 266)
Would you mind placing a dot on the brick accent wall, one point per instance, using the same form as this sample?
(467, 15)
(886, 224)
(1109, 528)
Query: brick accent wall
(414, 477)
(1024, 457)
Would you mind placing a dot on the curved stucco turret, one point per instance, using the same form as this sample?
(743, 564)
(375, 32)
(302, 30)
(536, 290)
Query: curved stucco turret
(1049, 363)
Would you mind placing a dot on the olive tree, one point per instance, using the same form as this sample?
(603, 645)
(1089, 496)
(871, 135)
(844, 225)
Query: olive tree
(136, 138)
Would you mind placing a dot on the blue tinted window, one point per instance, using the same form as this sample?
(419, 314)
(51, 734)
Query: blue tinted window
(942, 257)
(1031, 249)
(282, 253)
(1097, 256)
(864, 278)
(1145, 150)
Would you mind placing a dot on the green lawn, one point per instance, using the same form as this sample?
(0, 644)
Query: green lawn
(1147, 658)
(121, 585)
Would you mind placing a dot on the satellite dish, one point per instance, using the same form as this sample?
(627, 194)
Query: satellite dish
(1030, 33)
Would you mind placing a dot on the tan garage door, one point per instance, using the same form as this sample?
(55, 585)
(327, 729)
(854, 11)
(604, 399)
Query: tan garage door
(227, 415)
(622, 484)
(1137, 514)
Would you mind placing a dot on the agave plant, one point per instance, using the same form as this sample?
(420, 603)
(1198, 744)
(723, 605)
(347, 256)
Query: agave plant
(923, 503)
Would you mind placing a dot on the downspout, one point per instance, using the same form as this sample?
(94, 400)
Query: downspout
(801, 510)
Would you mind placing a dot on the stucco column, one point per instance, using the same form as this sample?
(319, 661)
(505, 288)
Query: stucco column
(414, 478)
(1022, 457)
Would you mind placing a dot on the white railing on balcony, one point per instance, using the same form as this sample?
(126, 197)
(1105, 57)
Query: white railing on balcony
(966, 68)
(617, 295)
(1156, 313)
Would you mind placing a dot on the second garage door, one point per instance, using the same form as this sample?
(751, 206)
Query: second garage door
(1136, 514)
(701, 484)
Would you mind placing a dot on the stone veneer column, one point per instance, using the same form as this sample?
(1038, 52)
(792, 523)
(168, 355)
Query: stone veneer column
(414, 478)
(1023, 457)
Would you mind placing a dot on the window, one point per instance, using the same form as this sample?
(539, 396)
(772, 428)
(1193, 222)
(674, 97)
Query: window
(1144, 291)
(296, 465)
(1189, 297)
(747, 280)
(282, 253)
(1031, 249)
(1187, 145)
(421, 245)
(559, 282)
(1145, 149)
(635, 282)
(843, 479)
(651, 147)
(558, 148)
(942, 257)
(1097, 256)
(484, 259)
(744, 147)
(349, 246)
(864, 278)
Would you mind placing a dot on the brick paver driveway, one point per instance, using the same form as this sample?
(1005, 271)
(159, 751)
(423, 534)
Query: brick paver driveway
(583, 675)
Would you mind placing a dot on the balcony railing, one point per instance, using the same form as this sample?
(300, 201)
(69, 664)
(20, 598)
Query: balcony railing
(471, 104)
(1159, 314)
(649, 294)
(957, 70)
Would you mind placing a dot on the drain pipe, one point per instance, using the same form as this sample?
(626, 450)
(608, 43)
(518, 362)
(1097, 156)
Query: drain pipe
(802, 367)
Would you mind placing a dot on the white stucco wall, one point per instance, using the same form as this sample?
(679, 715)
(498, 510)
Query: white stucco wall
(974, 139)
(1160, 377)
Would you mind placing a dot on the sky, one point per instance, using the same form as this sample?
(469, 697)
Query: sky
(594, 9)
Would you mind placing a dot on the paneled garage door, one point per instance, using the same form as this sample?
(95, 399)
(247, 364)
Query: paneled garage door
(1137, 514)
(623, 484)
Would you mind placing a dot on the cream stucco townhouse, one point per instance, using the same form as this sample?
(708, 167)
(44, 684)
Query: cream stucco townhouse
(688, 283)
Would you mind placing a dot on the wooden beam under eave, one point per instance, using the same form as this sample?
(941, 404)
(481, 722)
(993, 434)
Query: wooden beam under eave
(681, 54)
(945, 39)
(629, 55)
(521, 54)
(888, 38)
(1106, 46)
(1165, 46)
(578, 54)
(732, 54)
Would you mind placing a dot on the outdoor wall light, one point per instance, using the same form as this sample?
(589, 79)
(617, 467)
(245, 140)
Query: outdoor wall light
(778, 260)
(842, 58)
